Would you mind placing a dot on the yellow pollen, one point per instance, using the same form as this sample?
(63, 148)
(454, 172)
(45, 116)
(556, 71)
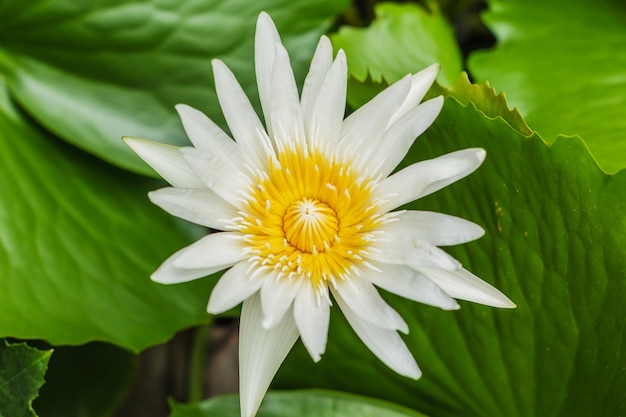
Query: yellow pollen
(310, 224)
(310, 217)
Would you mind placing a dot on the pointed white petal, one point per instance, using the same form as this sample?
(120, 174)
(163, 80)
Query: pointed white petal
(435, 228)
(242, 120)
(210, 138)
(426, 177)
(286, 115)
(223, 248)
(386, 344)
(232, 288)
(261, 352)
(197, 205)
(169, 273)
(322, 60)
(277, 295)
(420, 84)
(221, 176)
(166, 160)
(400, 136)
(202, 131)
(265, 38)
(399, 248)
(464, 285)
(410, 284)
(365, 301)
(324, 124)
(312, 314)
(362, 130)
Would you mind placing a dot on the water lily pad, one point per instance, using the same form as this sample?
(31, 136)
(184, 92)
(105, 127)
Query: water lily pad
(563, 66)
(79, 240)
(555, 233)
(92, 72)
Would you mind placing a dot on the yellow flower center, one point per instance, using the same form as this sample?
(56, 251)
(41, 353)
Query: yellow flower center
(310, 225)
(310, 216)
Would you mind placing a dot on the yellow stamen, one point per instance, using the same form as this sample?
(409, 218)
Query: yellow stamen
(310, 217)
(310, 225)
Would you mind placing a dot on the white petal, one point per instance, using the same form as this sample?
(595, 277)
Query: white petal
(202, 131)
(365, 301)
(264, 40)
(322, 60)
(223, 248)
(420, 84)
(398, 248)
(169, 273)
(312, 314)
(324, 124)
(285, 115)
(426, 177)
(435, 228)
(386, 344)
(464, 285)
(166, 160)
(197, 205)
(261, 352)
(410, 284)
(277, 295)
(233, 287)
(242, 120)
(362, 130)
(221, 176)
(400, 136)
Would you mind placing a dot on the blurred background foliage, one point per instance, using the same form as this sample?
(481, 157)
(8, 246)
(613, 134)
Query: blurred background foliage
(79, 238)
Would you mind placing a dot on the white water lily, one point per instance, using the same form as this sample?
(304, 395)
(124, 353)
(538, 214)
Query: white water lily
(304, 208)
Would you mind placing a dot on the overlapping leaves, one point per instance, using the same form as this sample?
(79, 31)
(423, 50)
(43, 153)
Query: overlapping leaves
(563, 66)
(79, 238)
(554, 244)
(402, 39)
(92, 72)
(402, 36)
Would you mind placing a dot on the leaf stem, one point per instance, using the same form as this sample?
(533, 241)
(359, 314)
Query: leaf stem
(197, 361)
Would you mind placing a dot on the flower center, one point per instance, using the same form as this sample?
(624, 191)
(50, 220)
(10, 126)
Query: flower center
(309, 216)
(310, 225)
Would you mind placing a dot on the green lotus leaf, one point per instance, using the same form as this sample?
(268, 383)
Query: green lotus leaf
(79, 241)
(403, 39)
(22, 371)
(555, 233)
(563, 66)
(92, 72)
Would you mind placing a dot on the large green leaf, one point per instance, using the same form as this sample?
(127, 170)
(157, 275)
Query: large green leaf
(297, 403)
(92, 72)
(78, 241)
(483, 97)
(85, 381)
(563, 65)
(555, 238)
(404, 38)
(22, 370)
